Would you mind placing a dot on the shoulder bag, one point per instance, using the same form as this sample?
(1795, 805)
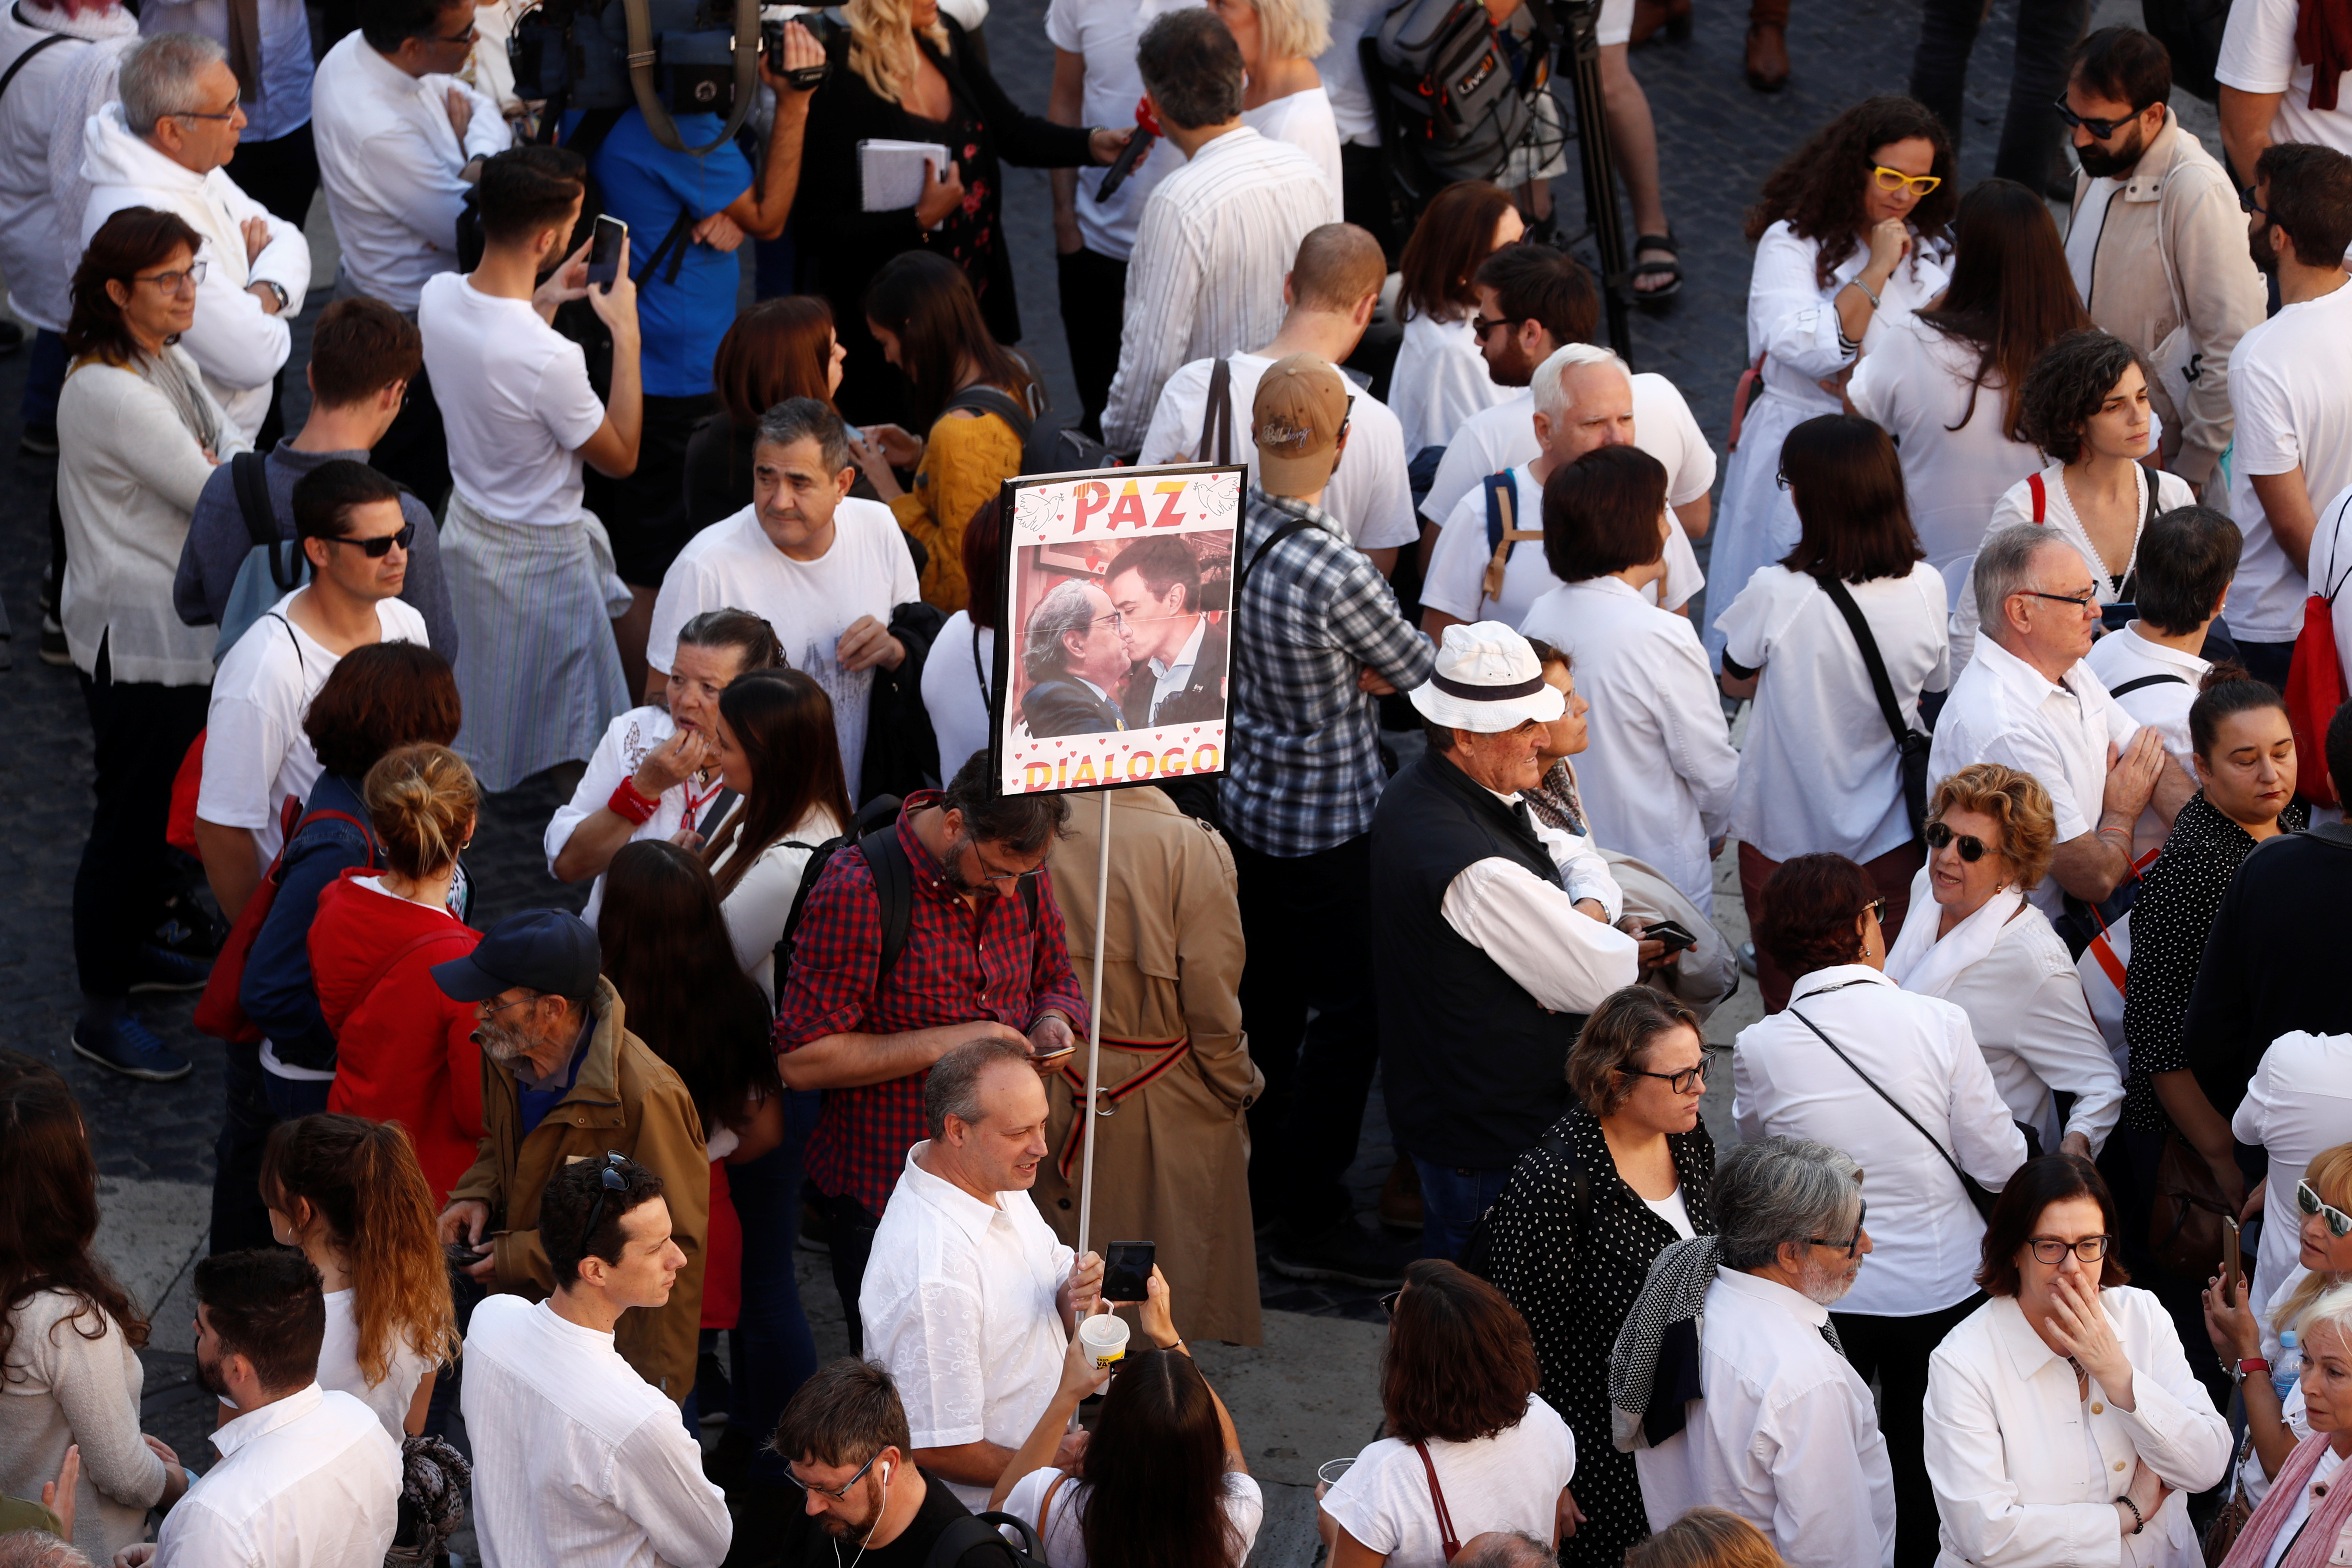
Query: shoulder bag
(1447, 1541)
(1911, 747)
(1977, 1195)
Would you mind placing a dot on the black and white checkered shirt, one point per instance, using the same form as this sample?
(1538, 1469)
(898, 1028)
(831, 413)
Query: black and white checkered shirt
(1303, 765)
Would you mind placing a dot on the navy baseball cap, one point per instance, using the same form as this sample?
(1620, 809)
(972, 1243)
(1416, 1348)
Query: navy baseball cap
(545, 950)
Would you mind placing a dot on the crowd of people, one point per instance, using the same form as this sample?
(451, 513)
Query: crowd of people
(2019, 684)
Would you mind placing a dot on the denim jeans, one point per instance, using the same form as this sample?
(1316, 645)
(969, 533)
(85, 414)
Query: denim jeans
(293, 1097)
(45, 378)
(1452, 1199)
(774, 1352)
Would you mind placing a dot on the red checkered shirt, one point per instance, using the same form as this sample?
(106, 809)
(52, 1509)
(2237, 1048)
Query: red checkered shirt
(960, 965)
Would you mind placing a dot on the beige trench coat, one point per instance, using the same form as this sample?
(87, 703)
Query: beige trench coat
(1173, 1163)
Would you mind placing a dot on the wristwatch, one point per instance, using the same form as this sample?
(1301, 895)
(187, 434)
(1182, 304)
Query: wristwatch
(2251, 1365)
(276, 289)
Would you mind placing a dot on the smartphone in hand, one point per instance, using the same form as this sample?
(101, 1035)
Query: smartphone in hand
(604, 250)
(1127, 1270)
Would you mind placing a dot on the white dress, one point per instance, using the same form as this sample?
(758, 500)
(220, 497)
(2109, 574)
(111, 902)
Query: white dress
(1792, 321)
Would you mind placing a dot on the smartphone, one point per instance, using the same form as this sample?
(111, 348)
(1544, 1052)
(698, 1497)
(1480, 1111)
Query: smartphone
(1673, 935)
(1127, 1270)
(2232, 1268)
(1051, 1061)
(604, 250)
(463, 1254)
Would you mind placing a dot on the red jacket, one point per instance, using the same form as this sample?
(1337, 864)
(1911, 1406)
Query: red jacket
(403, 1051)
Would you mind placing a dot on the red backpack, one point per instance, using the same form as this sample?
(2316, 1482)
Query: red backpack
(2315, 687)
(220, 1012)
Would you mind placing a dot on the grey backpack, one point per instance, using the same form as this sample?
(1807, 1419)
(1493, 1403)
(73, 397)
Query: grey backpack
(273, 568)
(1457, 97)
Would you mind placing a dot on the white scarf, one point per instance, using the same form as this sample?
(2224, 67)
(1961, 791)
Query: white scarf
(1926, 967)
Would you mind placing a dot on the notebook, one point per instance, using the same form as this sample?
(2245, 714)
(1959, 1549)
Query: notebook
(890, 173)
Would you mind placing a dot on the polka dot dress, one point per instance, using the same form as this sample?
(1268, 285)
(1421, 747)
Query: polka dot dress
(1574, 1277)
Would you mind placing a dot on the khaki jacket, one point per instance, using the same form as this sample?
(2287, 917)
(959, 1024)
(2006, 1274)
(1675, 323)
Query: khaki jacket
(2171, 277)
(625, 1098)
(1173, 1163)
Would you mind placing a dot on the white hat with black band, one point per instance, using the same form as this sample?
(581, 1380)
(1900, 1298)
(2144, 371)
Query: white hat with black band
(1487, 681)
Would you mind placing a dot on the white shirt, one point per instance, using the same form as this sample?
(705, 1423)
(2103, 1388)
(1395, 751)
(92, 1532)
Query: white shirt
(956, 689)
(312, 1480)
(578, 1461)
(388, 159)
(1457, 582)
(285, 102)
(1583, 865)
(1915, 381)
(1531, 927)
(1674, 1210)
(340, 1370)
(1342, 66)
(2017, 1478)
(48, 101)
(1439, 381)
(2123, 657)
(2258, 55)
(1819, 771)
(2082, 234)
(1064, 1537)
(810, 604)
(1304, 121)
(2292, 408)
(1659, 774)
(239, 345)
(1920, 1050)
(1785, 1433)
(761, 901)
(2291, 1408)
(2002, 709)
(1103, 32)
(2300, 1514)
(1370, 493)
(514, 398)
(628, 740)
(2298, 1103)
(2330, 561)
(1216, 240)
(960, 1303)
(256, 755)
(1504, 437)
(1511, 1480)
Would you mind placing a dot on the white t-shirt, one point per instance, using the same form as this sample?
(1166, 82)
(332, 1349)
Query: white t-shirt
(2123, 657)
(1457, 563)
(1103, 34)
(514, 398)
(1510, 1481)
(1674, 1210)
(255, 754)
(2293, 408)
(1304, 121)
(2258, 55)
(1342, 66)
(1504, 437)
(1439, 381)
(809, 603)
(957, 680)
(1064, 1537)
(339, 1365)
(1370, 493)
(755, 911)
(2082, 234)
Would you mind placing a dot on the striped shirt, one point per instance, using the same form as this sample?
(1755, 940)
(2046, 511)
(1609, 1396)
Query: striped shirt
(1303, 760)
(1216, 240)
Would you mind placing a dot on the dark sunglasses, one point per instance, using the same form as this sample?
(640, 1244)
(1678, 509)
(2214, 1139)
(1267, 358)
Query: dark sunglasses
(2247, 204)
(2101, 129)
(618, 1168)
(382, 545)
(1877, 909)
(1973, 849)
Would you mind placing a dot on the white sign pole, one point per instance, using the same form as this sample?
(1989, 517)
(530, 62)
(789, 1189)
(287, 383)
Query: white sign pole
(1094, 1033)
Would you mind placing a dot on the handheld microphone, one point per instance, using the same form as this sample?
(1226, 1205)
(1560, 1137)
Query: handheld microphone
(1147, 132)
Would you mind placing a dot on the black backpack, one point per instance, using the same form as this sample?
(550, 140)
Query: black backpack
(1051, 443)
(1450, 87)
(1477, 1251)
(980, 1530)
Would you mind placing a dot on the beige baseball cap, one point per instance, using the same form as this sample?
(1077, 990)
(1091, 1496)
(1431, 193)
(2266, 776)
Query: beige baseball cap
(1300, 408)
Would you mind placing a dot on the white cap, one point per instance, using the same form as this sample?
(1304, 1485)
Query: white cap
(1487, 679)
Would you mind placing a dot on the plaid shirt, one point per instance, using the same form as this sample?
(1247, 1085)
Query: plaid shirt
(1302, 744)
(960, 965)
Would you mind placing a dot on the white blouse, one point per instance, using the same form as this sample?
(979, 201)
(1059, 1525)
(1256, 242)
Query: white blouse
(756, 911)
(2026, 1470)
(1439, 380)
(1792, 321)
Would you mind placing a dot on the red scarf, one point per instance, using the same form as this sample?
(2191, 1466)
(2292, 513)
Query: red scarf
(2323, 41)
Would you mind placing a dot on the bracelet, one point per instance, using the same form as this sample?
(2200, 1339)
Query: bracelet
(629, 802)
(1857, 282)
(2139, 1520)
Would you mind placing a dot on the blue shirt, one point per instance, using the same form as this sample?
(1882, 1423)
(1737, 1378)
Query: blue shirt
(646, 185)
(536, 1098)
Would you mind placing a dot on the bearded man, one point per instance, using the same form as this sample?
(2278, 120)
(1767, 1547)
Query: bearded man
(563, 1080)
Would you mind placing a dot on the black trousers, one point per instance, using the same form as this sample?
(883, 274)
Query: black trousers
(1369, 197)
(1094, 312)
(1894, 1353)
(240, 1219)
(416, 451)
(2047, 32)
(282, 175)
(141, 730)
(645, 513)
(1307, 921)
(849, 1231)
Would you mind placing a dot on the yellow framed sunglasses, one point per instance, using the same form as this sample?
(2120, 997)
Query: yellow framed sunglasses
(1892, 180)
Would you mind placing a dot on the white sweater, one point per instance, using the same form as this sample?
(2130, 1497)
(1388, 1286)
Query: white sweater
(61, 1388)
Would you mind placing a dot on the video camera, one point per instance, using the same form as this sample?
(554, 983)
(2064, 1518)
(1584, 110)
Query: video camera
(666, 57)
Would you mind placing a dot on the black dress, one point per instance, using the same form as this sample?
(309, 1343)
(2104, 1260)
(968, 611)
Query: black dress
(841, 246)
(1574, 1283)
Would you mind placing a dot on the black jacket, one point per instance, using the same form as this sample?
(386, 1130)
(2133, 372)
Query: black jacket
(1066, 707)
(1202, 699)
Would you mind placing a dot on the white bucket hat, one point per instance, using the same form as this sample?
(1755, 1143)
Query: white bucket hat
(1487, 681)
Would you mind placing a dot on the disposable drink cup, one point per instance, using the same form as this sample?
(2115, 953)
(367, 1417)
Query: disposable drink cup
(1104, 1339)
(1328, 1474)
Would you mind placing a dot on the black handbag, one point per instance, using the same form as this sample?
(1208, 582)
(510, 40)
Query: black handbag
(1911, 747)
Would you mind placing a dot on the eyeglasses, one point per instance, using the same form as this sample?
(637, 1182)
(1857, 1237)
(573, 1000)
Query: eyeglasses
(1892, 180)
(468, 36)
(2101, 129)
(183, 281)
(1118, 618)
(382, 545)
(1388, 1304)
(515, 1003)
(2247, 204)
(2081, 601)
(618, 1168)
(2339, 1224)
(200, 114)
(1480, 326)
(1016, 878)
(1681, 1082)
(2053, 1249)
(1972, 849)
(840, 1494)
(1851, 1244)
(1877, 909)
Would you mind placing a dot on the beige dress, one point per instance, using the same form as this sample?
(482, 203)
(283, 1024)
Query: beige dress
(1173, 1163)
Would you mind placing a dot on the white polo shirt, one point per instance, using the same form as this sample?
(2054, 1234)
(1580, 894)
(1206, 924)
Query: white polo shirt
(959, 1302)
(1504, 437)
(2005, 711)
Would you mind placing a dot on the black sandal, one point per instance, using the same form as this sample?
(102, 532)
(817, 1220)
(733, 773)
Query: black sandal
(1670, 270)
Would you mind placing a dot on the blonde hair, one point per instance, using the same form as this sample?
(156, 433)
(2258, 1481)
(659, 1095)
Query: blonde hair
(882, 45)
(1704, 1538)
(2029, 829)
(423, 799)
(1292, 29)
(2330, 1175)
(2331, 1307)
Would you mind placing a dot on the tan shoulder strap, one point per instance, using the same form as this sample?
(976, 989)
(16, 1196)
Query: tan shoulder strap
(1046, 1508)
(1506, 497)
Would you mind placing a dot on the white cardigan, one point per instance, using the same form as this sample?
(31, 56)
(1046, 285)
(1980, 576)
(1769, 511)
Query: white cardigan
(2018, 1481)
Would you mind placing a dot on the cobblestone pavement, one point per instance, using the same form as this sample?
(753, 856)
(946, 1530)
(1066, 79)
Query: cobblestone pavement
(1718, 139)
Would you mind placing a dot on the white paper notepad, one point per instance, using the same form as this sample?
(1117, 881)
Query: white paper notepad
(890, 173)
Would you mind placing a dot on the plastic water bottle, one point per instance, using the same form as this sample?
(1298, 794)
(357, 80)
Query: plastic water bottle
(2288, 1365)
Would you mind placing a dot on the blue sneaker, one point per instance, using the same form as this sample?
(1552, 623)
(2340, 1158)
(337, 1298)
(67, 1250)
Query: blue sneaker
(161, 969)
(129, 1046)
